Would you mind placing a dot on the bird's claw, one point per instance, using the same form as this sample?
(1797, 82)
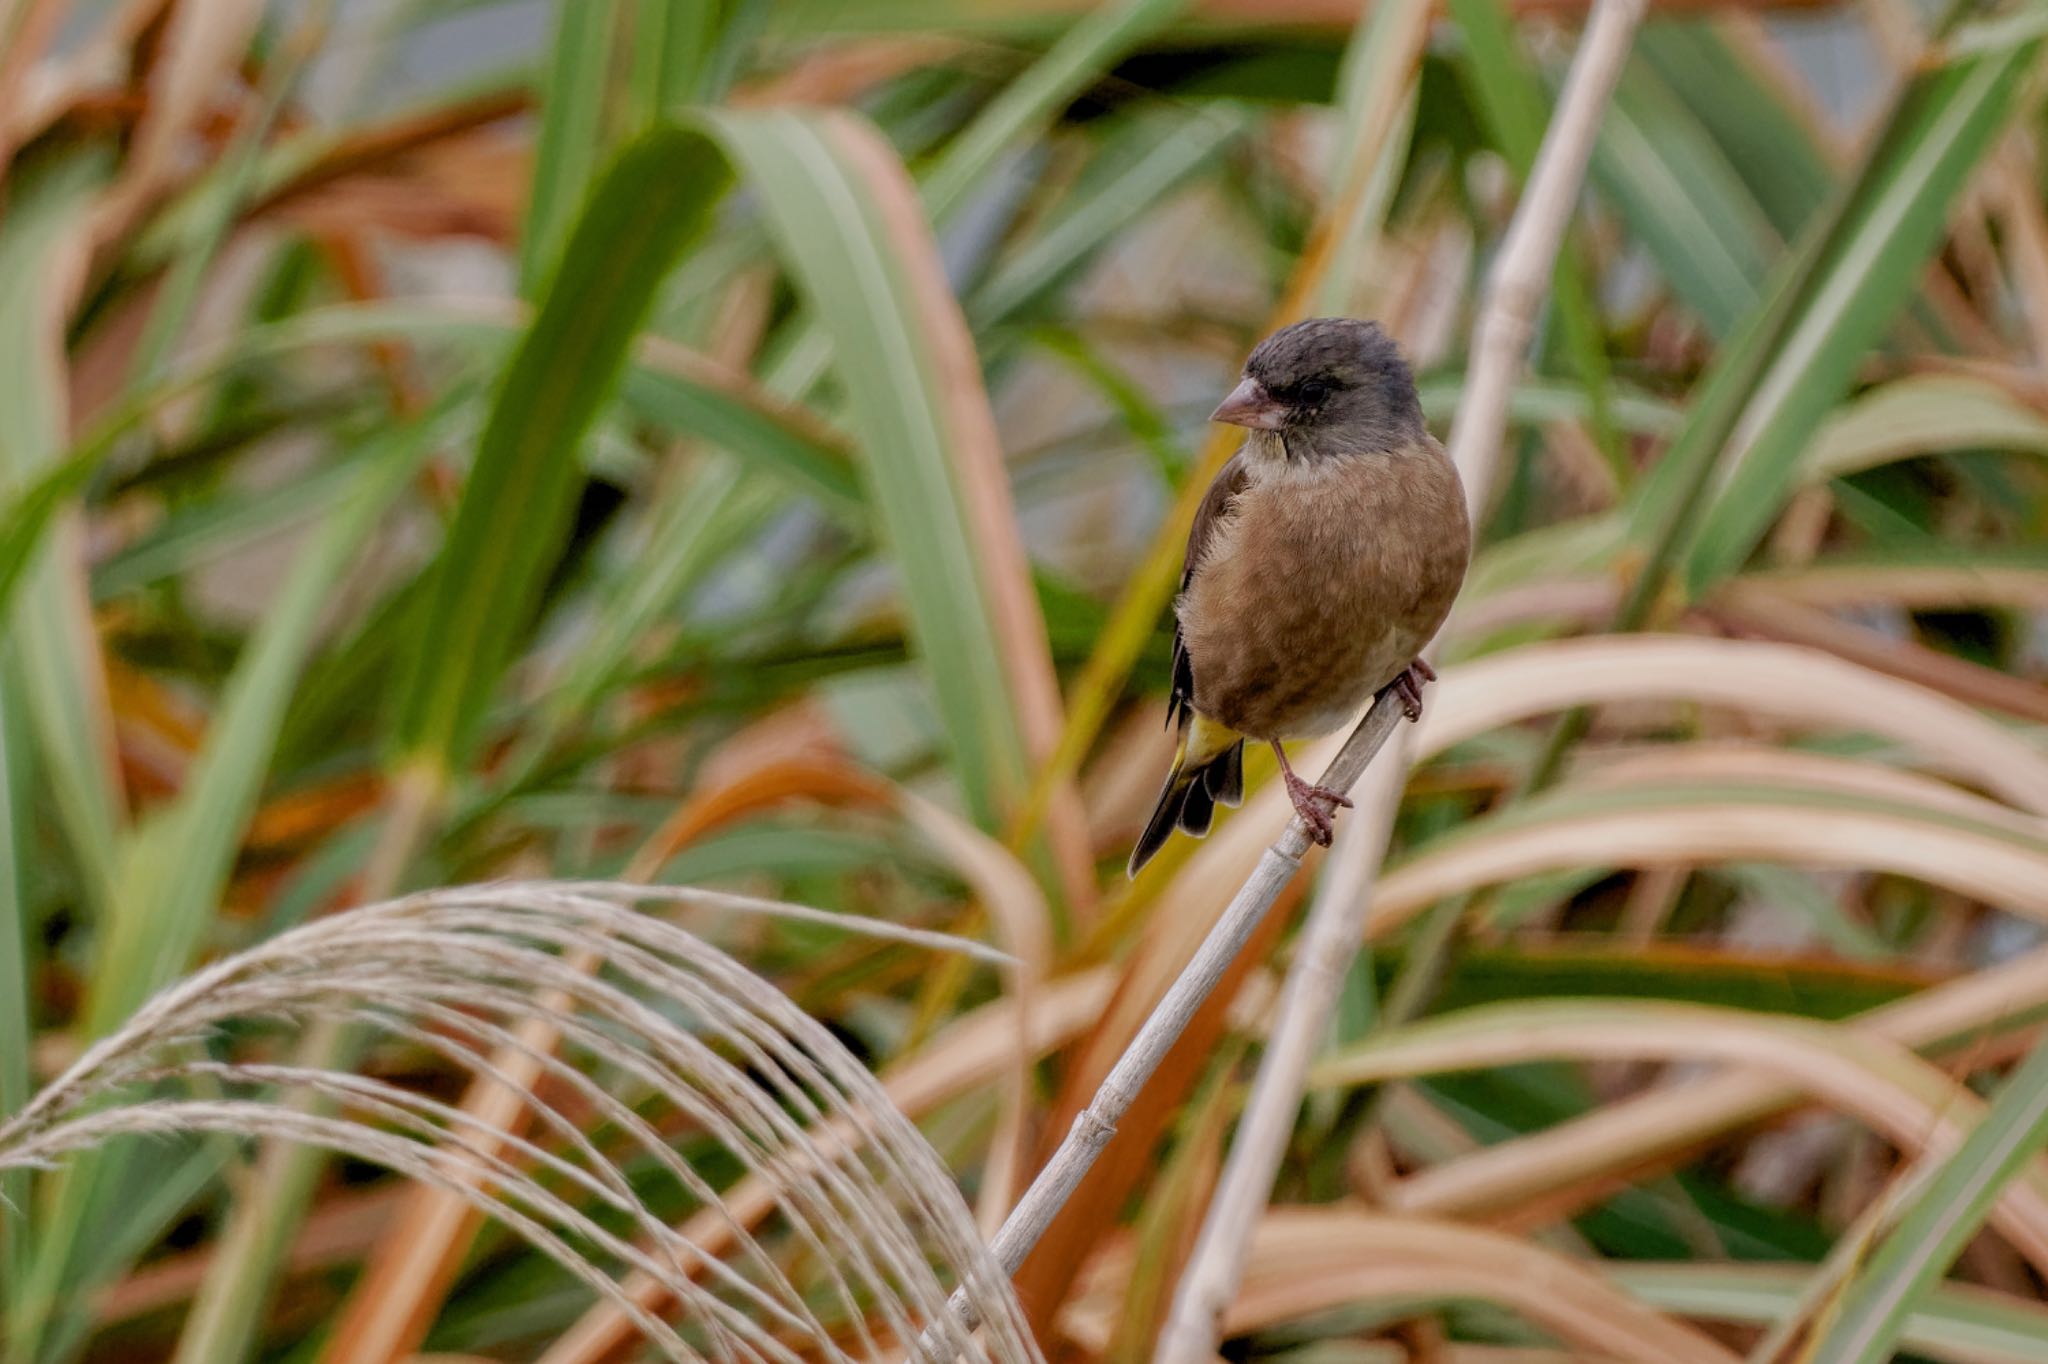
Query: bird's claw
(1316, 805)
(1407, 688)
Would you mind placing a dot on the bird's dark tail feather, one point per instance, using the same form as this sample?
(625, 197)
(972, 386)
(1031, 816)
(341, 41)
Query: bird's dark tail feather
(1189, 799)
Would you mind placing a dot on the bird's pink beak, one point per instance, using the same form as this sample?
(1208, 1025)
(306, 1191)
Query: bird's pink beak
(1250, 405)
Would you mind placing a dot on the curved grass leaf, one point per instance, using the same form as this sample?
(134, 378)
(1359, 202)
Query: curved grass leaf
(1765, 143)
(570, 146)
(1683, 199)
(1923, 414)
(1866, 269)
(55, 653)
(1879, 1303)
(1093, 44)
(516, 507)
(1143, 161)
(1954, 1323)
(843, 255)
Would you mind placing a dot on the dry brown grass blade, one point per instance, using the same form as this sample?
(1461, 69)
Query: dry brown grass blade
(203, 45)
(1305, 1261)
(1911, 1102)
(971, 1052)
(1647, 1131)
(1795, 770)
(26, 30)
(365, 150)
(1800, 685)
(1993, 869)
(36, 90)
(1906, 587)
(983, 478)
(1747, 609)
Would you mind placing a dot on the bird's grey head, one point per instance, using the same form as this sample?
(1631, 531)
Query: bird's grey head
(1330, 385)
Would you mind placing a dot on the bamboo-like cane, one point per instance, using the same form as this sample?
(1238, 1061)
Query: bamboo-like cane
(1336, 921)
(1096, 1123)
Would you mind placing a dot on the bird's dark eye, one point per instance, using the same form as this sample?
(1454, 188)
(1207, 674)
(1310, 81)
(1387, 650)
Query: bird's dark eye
(1313, 391)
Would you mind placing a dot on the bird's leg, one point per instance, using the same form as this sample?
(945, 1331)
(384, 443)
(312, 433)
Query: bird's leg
(1315, 804)
(1407, 687)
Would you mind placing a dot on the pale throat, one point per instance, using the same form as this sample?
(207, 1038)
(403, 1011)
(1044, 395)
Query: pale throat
(1298, 456)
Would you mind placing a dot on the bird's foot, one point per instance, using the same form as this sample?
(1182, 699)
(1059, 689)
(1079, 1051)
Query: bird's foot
(1407, 688)
(1316, 805)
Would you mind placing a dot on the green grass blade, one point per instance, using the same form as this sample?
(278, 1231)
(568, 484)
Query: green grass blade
(1146, 159)
(706, 512)
(174, 865)
(57, 658)
(1936, 1225)
(675, 45)
(1770, 148)
(1773, 382)
(1083, 52)
(1680, 195)
(27, 516)
(843, 257)
(1953, 1322)
(811, 455)
(173, 874)
(666, 384)
(656, 197)
(17, 1026)
(1946, 122)
(570, 146)
(189, 539)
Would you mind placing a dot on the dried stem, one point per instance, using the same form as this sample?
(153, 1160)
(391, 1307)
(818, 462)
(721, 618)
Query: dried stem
(1336, 920)
(1096, 1123)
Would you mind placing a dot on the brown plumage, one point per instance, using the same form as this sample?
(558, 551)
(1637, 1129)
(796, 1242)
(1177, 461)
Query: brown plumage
(1324, 557)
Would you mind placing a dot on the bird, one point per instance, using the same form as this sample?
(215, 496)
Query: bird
(1322, 560)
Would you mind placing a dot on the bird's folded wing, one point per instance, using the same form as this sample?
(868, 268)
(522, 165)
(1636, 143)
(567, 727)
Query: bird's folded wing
(1230, 480)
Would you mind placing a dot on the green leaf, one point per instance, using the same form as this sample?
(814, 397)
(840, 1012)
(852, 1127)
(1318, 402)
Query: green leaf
(174, 865)
(204, 533)
(1765, 143)
(844, 257)
(1145, 159)
(17, 1025)
(1683, 199)
(1773, 382)
(1094, 44)
(56, 659)
(570, 146)
(700, 516)
(28, 514)
(1867, 271)
(1938, 1222)
(178, 862)
(1954, 1322)
(1919, 415)
(515, 509)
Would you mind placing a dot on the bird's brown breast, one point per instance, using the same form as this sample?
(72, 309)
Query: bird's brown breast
(1322, 584)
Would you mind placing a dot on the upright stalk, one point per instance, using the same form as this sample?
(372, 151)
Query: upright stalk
(1096, 1123)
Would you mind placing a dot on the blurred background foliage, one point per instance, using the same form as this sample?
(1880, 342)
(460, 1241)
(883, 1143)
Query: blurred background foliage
(750, 444)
